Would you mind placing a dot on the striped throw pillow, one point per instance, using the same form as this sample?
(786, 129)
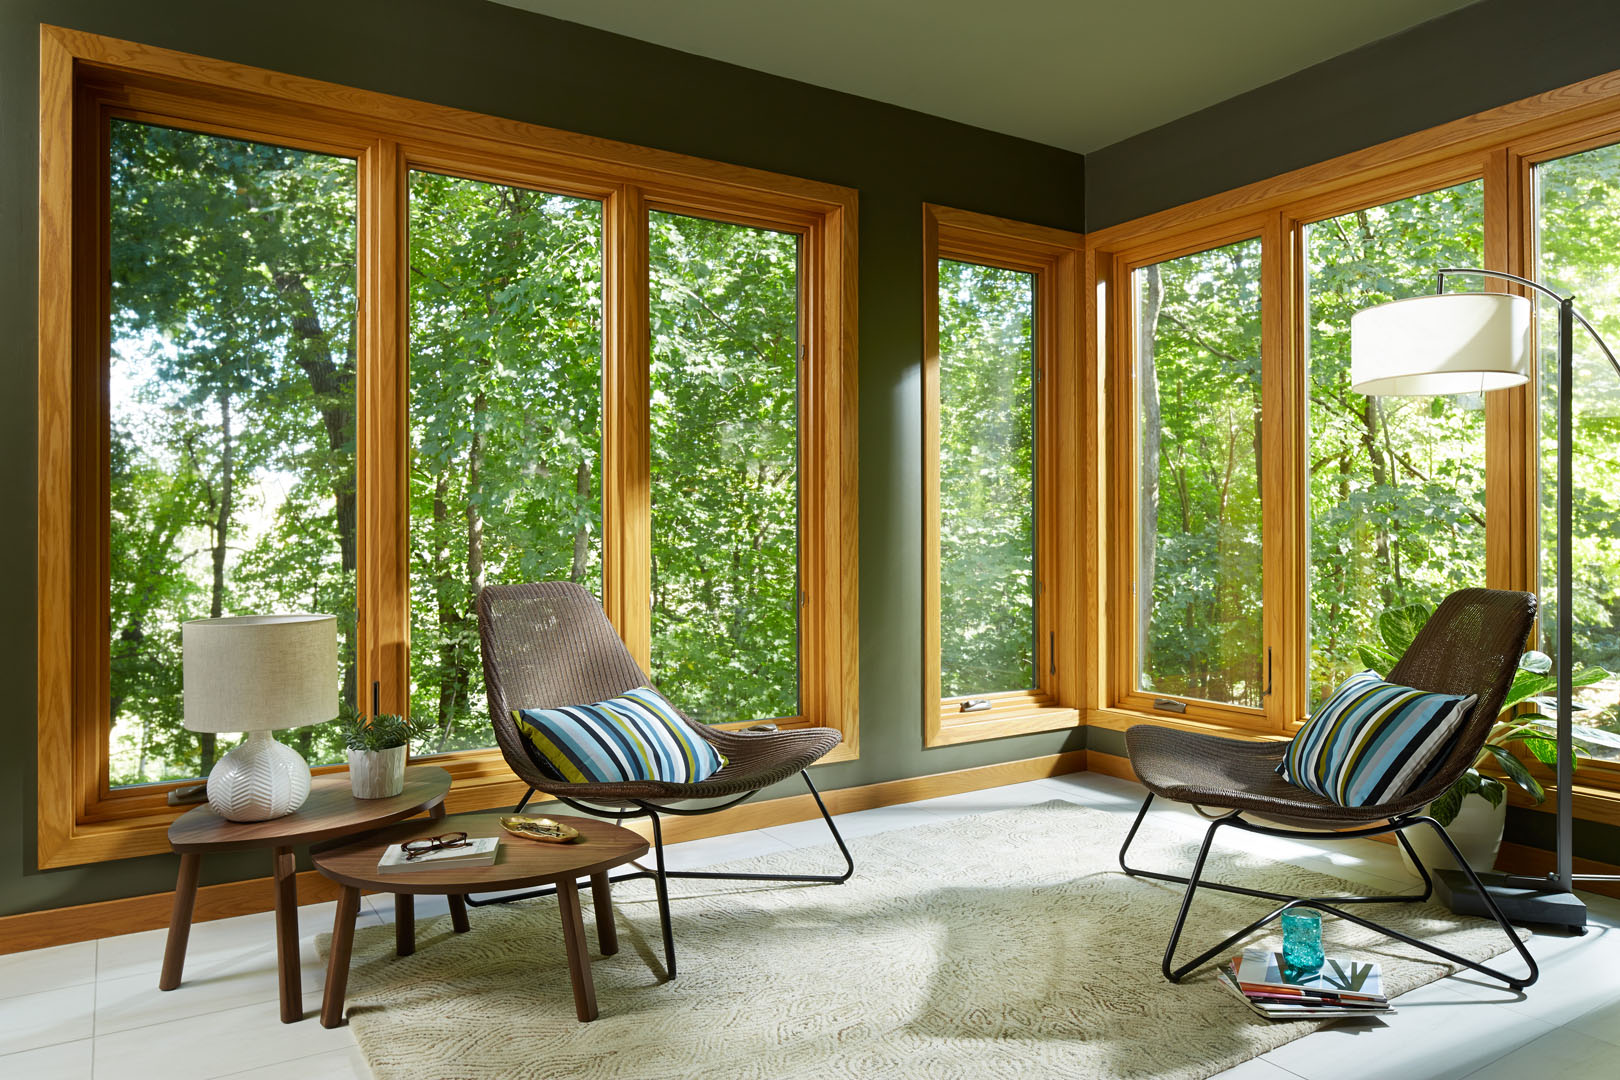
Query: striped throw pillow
(635, 737)
(1372, 741)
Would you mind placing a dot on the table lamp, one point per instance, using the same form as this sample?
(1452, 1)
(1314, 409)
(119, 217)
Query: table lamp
(256, 673)
(1455, 343)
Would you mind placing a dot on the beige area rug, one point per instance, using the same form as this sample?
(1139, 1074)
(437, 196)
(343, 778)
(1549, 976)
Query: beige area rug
(1006, 945)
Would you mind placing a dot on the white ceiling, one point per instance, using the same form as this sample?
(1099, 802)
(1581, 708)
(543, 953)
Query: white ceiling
(1078, 74)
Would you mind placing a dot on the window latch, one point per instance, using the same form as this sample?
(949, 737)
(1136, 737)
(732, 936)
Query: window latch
(1169, 705)
(975, 705)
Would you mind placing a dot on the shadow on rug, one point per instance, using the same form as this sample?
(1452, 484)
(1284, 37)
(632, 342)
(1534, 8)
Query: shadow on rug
(1003, 945)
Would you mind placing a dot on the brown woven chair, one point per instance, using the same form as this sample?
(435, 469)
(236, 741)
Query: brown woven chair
(549, 645)
(1471, 645)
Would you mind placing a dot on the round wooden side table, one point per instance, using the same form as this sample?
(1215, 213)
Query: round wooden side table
(331, 811)
(519, 864)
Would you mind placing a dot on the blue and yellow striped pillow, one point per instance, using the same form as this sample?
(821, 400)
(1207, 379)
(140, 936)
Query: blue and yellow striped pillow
(635, 737)
(1372, 741)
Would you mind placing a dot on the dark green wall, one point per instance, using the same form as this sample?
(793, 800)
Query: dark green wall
(494, 59)
(1473, 59)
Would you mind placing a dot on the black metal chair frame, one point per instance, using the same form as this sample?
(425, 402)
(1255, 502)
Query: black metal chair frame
(1328, 904)
(660, 875)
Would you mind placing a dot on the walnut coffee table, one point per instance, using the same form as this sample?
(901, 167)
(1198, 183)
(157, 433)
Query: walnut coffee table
(520, 864)
(330, 811)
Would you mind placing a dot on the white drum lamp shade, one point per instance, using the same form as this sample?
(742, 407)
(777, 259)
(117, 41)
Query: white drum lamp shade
(257, 673)
(1447, 343)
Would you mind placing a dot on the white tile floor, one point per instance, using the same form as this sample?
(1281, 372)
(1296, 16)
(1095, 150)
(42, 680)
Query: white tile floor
(93, 1009)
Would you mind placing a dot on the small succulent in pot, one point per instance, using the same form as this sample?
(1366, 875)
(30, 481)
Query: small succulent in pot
(378, 746)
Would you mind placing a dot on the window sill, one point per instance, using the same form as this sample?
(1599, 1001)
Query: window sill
(1118, 719)
(1018, 715)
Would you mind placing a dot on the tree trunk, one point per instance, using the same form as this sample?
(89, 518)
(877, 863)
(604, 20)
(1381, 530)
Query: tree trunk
(582, 489)
(207, 741)
(333, 389)
(449, 613)
(1370, 419)
(1147, 528)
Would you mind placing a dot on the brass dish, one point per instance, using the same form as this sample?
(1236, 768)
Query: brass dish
(542, 829)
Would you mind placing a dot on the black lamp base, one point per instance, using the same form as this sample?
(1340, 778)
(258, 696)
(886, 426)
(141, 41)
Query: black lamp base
(1542, 905)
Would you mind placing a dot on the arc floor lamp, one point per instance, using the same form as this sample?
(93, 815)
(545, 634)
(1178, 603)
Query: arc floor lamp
(1467, 343)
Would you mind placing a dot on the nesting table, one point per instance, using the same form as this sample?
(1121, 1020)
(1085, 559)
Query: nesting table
(330, 812)
(520, 864)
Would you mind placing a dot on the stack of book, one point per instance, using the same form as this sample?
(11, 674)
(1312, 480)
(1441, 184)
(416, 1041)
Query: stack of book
(1339, 988)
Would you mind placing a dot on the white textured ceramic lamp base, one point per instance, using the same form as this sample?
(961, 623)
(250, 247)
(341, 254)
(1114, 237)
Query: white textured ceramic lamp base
(377, 774)
(259, 780)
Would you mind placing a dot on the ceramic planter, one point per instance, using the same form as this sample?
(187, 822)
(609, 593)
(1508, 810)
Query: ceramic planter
(377, 774)
(1476, 830)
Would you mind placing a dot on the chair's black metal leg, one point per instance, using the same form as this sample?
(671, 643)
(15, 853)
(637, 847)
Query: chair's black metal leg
(1330, 905)
(527, 795)
(1186, 899)
(813, 879)
(1423, 871)
(1135, 825)
(662, 881)
(1496, 913)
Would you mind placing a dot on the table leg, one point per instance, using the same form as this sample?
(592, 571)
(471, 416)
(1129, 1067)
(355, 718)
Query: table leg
(286, 875)
(602, 907)
(185, 899)
(458, 914)
(404, 924)
(579, 961)
(337, 964)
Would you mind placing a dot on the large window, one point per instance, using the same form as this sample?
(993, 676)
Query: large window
(1577, 202)
(1396, 485)
(506, 422)
(1000, 565)
(725, 467)
(368, 366)
(1198, 585)
(986, 479)
(230, 403)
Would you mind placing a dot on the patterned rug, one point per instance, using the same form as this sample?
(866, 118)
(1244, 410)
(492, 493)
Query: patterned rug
(1006, 945)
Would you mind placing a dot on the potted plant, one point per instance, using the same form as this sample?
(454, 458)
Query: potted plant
(377, 746)
(1474, 809)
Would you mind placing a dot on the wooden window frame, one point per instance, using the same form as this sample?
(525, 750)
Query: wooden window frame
(85, 78)
(1500, 147)
(1123, 539)
(1053, 257)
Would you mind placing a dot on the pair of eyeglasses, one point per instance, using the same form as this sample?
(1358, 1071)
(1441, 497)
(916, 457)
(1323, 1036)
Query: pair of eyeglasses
(416, 848)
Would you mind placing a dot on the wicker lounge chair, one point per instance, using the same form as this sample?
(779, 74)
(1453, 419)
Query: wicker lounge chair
(549, 645)
(1471, 645)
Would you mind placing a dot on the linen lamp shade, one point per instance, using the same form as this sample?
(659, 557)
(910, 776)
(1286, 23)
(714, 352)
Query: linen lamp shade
(255, 673)
(259, 672)
(1447, 343)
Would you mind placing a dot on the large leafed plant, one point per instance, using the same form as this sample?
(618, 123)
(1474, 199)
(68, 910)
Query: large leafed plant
(1533, 731)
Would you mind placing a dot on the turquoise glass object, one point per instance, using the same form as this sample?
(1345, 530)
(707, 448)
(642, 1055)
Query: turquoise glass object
(1302, 938)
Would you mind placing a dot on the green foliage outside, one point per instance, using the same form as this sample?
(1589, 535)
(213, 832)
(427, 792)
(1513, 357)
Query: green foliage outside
(986, 479)
(724, 308)
(232, 458)
(231, 397)
(1578, 253)
(506, 422)
(1198, 572)
(1396, 485)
